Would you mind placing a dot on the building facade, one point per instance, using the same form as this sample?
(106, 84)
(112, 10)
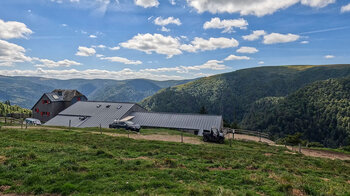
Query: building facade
(51, 104)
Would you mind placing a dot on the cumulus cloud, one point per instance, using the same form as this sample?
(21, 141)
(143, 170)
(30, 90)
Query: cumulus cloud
(157, 43)
(317, 3)
(54, 64)
(249, 50)
(13, 29)
(147, 3)
(210, 44)
(251, 7)
(99, 46)
(234, 57)
(329, 57)
(164, 29)
(90, 74)
(275, 38)
(11, 53)
(255, 35)
(84, 51)
(304, 42)
(114, 48)
(227, 25)
(261, 62)
(93, 36)
(122, 60)
(345, 8)
(166, 21)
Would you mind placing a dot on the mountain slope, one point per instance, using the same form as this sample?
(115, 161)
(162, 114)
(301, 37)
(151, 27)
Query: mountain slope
(25, 91)
(231, 94)
(321, 111)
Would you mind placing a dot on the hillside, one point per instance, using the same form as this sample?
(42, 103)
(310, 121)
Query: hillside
(231, 94)
(25, 91)
(61, 162)
(321, 111)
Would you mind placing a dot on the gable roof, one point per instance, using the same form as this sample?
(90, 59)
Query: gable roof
(95, 113)
(58, 95)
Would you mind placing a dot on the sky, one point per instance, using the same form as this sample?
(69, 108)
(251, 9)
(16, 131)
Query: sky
(168, 39)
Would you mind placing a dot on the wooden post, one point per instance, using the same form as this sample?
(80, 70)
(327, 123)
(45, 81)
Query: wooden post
(22, 124)
(100, 129)
(70, 121)
(231, 140)
(299, 147)
(259, 135)
(233, 134)
(128, 133)
(26, 125)
(182, 137)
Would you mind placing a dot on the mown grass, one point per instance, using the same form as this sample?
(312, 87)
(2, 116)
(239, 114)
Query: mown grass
(80, 163)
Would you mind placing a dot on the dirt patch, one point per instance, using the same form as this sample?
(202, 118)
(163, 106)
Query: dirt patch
(253, 138)
(4, 188)
(137, 158)
(325, 179)
(268, 154)
(323, 154)
(2, 159)
(297, 192)
(219, 169)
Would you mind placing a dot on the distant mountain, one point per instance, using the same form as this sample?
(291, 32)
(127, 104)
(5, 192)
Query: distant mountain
(321, 111)
(25, 91)
(232, 94)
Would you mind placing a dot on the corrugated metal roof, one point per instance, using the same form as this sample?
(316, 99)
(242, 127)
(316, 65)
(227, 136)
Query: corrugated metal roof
(61, 120)
(177, 121)
(103, 113)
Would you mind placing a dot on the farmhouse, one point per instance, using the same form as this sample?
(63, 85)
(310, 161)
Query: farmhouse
(94, 114)
(50, 104)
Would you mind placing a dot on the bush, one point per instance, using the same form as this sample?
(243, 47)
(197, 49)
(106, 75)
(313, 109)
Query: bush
(315, 144)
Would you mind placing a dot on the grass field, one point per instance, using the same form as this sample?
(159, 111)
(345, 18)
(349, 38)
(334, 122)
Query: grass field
(79, 163)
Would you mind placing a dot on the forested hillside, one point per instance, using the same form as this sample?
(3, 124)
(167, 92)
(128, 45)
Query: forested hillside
(8, 109)
(25, 91)
(320, 111)
(232, 94)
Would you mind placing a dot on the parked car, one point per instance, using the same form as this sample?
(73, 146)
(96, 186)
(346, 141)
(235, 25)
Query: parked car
(128, 125)
(32, 121)
(213, 135)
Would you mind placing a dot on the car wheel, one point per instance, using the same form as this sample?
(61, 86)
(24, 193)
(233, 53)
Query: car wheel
(205, 139)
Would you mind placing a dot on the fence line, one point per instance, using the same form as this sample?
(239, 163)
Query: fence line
(248, 132)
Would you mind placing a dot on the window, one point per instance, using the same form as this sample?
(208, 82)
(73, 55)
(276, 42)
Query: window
(48, 113)
(78, 98)
(36, 110)
(45, 101)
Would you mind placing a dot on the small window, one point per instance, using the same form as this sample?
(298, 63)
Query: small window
(98, 106)
(48, 113)
(78, 98)
(108, 106)
(42, 113)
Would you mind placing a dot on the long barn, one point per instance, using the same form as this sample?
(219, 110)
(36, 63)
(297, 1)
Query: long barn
(93, 114)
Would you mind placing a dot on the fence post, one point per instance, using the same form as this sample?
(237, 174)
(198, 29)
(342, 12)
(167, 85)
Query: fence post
(128, 133)
(259, 135)
(231, 140)
(26, 124)
(70, 121)
(299, 147)
(100, 129)
(182, 137)
(21, 124)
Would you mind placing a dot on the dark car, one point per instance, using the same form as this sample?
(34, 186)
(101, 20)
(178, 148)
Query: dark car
(128, 125)
(214, 135)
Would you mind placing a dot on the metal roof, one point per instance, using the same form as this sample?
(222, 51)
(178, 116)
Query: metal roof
(97, 113)
(177, 121)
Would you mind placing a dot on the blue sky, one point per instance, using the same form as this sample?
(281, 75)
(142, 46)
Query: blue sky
(168, 39)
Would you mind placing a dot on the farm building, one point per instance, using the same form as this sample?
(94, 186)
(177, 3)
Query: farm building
(50, 104)
(93, 114)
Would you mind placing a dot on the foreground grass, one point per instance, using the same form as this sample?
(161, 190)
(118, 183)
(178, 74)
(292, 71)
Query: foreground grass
(67, 162)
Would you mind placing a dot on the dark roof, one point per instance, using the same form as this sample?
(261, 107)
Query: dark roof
(177, 121)
(96, 113)
(63, 95)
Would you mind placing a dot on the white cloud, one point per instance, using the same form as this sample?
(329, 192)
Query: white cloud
(249, 50)
(261, 62)
(157, 43)
(317, 3)
(166, 21)
(227, 25)
(53, 64)
(147, 3)
(99, 46)
(210, 44)
(345, 8)
(275, 38)
(255, 35)
(329, 57)
(93, 36)
(164, 29)
(234, 57)
(99, 55)
(11, 53)
(122, 60)
(251, 7)
(172, 2)
(304, 42)
(13, 29)
(90, 74)
(114, 48)
(211, 64)
(84, 51)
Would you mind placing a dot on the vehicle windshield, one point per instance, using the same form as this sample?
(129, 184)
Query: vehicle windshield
(129, 123)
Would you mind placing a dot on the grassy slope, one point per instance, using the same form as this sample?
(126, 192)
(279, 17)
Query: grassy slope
(65, 162)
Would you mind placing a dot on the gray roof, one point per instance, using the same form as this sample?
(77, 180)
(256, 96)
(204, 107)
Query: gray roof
(62, 95)
(177, 121)
(96, 113)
